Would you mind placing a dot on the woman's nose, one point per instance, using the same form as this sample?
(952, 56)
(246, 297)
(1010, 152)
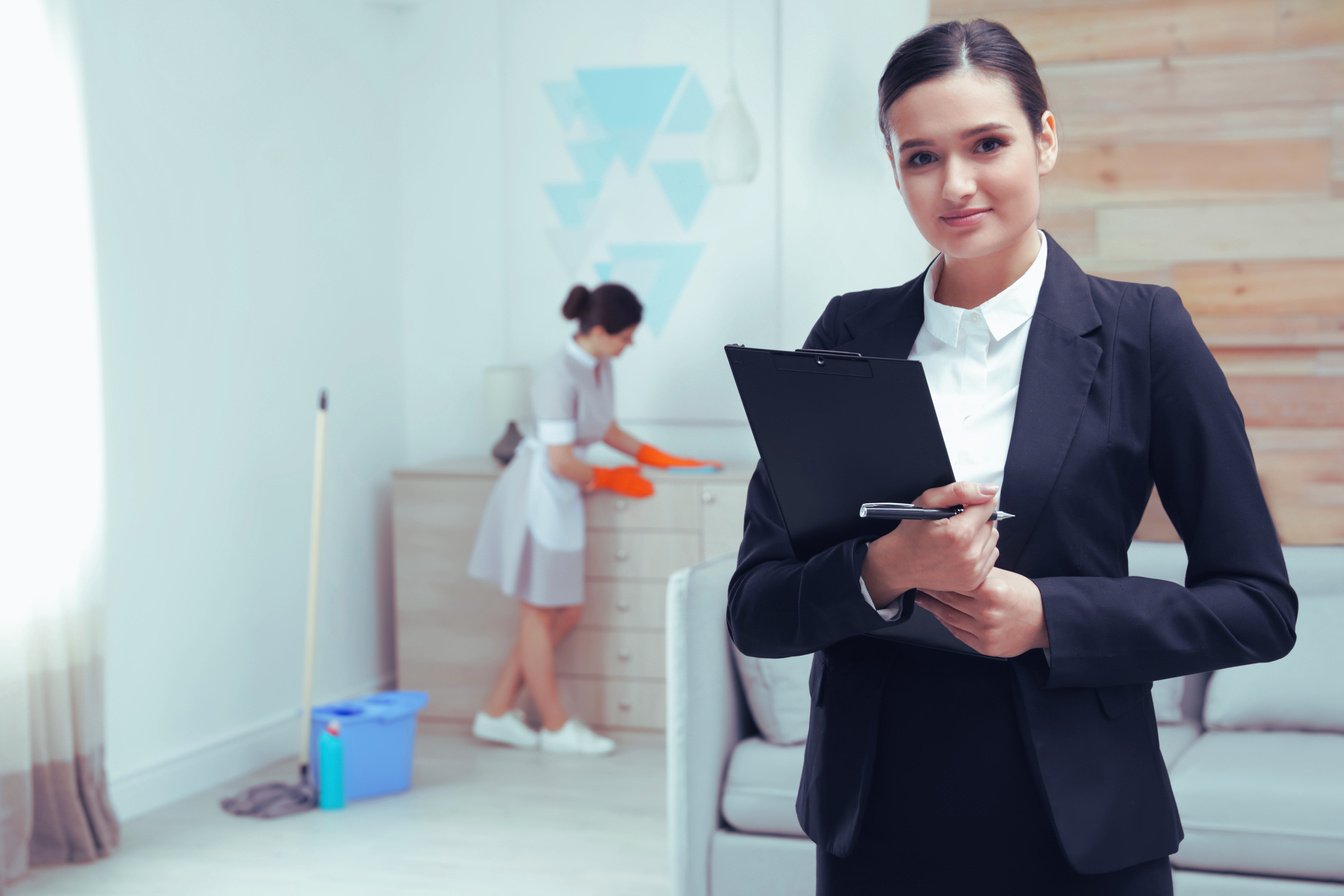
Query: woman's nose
(958, 183)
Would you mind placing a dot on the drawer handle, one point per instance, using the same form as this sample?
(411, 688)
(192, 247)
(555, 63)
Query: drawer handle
(624, 705)
(622, 555)
(622, 504)
(623, 656)
(623, 606)
(707, 497)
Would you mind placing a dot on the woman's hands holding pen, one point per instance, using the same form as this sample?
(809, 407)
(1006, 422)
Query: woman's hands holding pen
(954, 554)
(993, 611)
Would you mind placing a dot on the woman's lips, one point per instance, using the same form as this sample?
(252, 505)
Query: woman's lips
(968, 217)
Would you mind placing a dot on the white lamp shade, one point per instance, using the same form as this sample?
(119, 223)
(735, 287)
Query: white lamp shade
(508, 394)
(732, 151)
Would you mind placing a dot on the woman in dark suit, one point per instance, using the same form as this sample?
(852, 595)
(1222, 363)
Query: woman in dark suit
(1068, 397)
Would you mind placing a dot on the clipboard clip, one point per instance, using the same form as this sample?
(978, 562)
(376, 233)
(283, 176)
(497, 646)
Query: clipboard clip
(824, 353)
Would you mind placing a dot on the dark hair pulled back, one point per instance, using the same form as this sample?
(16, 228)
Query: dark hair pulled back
(611, 306)
(954, 46)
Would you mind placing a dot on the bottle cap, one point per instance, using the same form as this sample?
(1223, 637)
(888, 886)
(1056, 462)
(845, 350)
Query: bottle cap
(334, 727)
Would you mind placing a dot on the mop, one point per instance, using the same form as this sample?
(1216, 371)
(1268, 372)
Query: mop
(276, 798)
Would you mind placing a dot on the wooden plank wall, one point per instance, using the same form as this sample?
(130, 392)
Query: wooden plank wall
(1202, 147)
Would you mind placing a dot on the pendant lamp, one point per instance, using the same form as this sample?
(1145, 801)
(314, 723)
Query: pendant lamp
(732, 152)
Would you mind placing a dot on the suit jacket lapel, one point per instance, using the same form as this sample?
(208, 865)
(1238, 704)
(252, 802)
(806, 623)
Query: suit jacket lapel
(889, 329)
(1057, 372)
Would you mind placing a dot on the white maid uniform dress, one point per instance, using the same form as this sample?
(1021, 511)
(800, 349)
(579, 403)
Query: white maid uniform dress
(531, 538)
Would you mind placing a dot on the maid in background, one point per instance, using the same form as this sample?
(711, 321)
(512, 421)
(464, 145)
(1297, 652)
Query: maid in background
(531, 538)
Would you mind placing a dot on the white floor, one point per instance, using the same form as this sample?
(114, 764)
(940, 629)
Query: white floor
(478, 821)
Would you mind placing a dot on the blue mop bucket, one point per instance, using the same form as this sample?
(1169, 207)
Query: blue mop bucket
(377, 741)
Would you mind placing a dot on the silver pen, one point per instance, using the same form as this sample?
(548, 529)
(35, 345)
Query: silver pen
(879, 510)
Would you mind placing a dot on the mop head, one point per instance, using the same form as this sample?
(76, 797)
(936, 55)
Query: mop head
(271, 800)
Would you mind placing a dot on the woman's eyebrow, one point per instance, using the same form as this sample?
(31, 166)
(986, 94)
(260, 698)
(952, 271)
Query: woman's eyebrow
(965, 135)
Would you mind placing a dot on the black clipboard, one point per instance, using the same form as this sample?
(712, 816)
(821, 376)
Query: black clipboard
(836, 430)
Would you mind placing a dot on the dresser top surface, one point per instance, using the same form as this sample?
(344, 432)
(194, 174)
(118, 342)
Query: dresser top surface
(473, 467)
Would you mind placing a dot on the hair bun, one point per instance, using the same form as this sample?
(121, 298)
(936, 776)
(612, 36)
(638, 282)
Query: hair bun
(577, 300)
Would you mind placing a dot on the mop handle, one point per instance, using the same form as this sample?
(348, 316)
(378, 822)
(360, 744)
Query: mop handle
(314, 544)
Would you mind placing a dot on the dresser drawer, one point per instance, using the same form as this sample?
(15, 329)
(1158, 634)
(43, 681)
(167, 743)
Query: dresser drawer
(673, 505)
(614, 603)
(611, 703)
(612, 652)
(621, 554)
(722, 507)
(434, 526)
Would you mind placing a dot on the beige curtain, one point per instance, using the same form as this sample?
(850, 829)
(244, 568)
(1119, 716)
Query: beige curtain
(54, 806)
(53, 793)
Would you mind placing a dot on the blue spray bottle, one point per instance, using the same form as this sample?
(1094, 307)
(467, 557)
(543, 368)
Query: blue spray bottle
(331, 767)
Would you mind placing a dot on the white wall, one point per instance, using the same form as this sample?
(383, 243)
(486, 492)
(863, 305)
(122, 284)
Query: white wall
(454, 308)
(245, 180)
(677, 369)
(307, 194)
(844, 225)
(835, 222)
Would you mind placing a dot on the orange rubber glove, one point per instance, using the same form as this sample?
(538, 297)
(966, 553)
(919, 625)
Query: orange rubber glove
(661, 459)
(622, 480)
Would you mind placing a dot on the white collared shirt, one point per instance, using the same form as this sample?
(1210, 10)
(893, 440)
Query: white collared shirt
(973, 361)
(575, 351)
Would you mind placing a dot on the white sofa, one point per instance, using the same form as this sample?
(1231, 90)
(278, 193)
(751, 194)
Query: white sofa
(1256, 753)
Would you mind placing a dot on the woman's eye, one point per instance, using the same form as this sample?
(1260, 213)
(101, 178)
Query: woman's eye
(989, 144)
(919, 159)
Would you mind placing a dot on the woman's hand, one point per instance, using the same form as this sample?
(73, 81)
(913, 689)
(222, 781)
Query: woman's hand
(647, 454)
(621, 480)
(1003, 617)
(954, 554)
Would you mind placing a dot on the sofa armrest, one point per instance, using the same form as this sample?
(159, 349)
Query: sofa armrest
(706, 716)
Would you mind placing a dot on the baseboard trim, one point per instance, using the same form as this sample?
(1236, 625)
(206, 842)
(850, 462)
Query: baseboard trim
(219, 761)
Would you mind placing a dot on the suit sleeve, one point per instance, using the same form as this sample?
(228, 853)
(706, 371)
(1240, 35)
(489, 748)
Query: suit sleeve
(1236, 605)
(779, 605)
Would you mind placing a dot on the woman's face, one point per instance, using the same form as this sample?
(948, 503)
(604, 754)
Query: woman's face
(610, 345)
(968, 163)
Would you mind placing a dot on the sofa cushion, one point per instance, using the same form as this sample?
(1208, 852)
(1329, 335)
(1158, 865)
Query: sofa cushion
(761, 787)
(1263, 802)
(1167, 695)
(1180, 700)
(1208, 883)
(1176, 739)
(1304, 691)
(777, 693)
(750, 864)
(1158, 560)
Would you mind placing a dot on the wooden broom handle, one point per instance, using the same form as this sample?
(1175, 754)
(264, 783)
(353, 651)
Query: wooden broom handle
(314, 549)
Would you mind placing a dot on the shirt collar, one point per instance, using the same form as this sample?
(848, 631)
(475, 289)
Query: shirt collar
(1003, 313)
(578, 354)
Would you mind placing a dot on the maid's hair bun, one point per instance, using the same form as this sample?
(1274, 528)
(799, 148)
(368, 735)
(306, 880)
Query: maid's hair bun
(576, 302)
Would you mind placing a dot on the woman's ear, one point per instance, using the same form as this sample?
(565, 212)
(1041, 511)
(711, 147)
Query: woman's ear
(1047, 143)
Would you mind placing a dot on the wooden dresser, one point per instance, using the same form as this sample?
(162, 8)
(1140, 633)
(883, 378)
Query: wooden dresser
(453, 632)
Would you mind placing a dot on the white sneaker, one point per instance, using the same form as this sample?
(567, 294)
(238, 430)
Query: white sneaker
(576, 737)
(506, 729)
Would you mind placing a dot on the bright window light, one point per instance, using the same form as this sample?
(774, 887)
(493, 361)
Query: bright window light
(51, 425)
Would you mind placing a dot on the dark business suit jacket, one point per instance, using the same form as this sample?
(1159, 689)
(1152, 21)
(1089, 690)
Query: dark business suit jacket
(1117, 392)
